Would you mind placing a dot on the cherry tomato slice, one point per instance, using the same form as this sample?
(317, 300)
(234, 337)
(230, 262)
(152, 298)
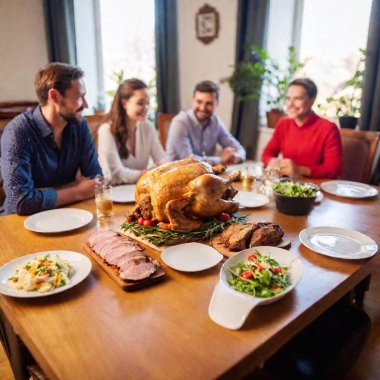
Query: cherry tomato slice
(224, 217)
(252, 257)
(247, 274)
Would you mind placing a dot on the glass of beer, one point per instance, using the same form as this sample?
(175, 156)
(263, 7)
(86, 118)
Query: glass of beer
(248, 176)
(103, 200)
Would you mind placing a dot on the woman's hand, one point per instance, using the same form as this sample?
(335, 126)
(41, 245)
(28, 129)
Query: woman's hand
(289, 169)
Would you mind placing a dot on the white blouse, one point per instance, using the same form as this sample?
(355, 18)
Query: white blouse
(120, 170)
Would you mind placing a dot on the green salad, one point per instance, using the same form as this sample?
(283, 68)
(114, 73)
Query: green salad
(294, 189)
(260, 276)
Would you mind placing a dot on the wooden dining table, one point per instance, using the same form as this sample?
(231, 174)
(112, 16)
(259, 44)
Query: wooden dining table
(96, 330)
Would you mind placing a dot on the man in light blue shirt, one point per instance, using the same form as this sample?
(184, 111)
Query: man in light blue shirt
(197, 131)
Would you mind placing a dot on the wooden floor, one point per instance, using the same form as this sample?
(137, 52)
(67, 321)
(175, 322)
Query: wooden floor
(367, 366)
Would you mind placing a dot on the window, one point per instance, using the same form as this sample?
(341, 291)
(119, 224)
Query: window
(332, 33)
(328, 33)
(128, 44)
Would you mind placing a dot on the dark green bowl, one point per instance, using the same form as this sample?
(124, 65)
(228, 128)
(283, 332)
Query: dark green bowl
(293, 205)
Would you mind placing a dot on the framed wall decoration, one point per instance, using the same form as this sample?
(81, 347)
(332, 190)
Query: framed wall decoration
(207, 24)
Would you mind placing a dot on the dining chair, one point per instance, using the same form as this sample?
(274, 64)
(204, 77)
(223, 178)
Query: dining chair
(3, 123)
(163, 123)
(8, 110)
(360, 154)
(94, 122)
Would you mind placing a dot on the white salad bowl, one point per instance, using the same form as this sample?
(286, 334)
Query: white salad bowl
(230, 308)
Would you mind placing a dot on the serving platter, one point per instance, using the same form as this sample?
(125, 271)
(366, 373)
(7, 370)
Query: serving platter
(216, 242)
(113, 272)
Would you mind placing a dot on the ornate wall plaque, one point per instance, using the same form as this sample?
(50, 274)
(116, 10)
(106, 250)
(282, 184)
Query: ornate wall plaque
(207, 24)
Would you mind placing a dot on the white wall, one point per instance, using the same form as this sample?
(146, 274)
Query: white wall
(213, 61)
(23, 48)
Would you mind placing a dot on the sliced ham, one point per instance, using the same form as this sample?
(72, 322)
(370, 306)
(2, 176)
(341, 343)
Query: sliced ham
(106, 242)
(117, 257)
(138, 271)
(127, 255)
(126, 249)
(100, 235)
(133, 259)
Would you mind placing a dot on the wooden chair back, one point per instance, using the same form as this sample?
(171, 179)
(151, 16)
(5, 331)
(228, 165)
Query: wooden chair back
(94, 122)
(3, 123)
(163, 123)
(9, 110)
(360, 153)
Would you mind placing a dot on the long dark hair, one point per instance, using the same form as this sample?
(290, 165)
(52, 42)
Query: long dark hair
(117, 115)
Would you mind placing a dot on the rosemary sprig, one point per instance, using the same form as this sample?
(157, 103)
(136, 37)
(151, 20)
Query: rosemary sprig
(158, 236)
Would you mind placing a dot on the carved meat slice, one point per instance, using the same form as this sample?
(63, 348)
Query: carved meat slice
(138, 271)
(268, 235)
(136, 256)
(225, 238)
(99, 235)
(119, 243)
(239, 240)
(117, 256)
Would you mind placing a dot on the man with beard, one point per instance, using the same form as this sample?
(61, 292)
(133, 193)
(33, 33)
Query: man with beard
(42, 149)
(197, 131)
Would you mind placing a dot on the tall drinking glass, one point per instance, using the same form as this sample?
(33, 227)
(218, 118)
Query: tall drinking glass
(103, 200)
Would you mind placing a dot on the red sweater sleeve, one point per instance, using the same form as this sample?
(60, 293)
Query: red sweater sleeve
(332, 157)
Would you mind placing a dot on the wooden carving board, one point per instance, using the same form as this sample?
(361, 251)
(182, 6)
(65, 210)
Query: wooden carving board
(215, 243)
(219, 246)
(113, 272)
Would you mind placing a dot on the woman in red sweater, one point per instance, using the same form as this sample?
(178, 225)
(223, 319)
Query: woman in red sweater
(310, 145)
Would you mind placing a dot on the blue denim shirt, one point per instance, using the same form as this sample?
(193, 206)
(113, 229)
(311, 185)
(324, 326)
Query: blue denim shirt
(32, 165)
(187, 137)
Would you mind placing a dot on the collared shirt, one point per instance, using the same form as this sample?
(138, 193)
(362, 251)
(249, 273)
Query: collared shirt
(188, 137)
(32, 165)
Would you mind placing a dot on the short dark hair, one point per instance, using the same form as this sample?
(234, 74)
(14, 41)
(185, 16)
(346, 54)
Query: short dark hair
(310, 87)
(55, 75)
(207, 86)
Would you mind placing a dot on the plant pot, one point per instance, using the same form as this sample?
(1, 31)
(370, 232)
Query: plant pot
(348, 122)
(273, 116)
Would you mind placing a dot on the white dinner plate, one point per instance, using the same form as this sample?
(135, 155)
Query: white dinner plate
(81, 264)
(232, 168)
(338, 242)
(58, 220)
(230, 308)
(191, 257)
(349, 189)
(124, 193)
(250, 199)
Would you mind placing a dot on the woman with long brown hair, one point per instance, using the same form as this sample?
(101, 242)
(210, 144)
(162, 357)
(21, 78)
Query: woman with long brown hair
(128, 140)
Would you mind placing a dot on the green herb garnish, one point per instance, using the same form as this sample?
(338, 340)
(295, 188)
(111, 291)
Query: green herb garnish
(159, 236)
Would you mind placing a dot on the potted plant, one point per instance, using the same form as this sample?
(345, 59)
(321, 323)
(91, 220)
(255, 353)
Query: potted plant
(346, 101)
(262, 75)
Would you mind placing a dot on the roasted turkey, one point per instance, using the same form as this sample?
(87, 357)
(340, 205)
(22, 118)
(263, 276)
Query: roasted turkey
(182, 194)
